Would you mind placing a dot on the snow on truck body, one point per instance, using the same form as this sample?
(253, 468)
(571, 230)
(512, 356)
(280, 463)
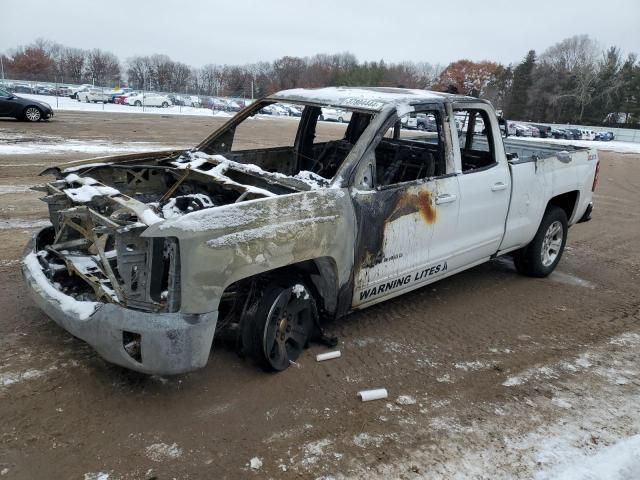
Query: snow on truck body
(151, 254)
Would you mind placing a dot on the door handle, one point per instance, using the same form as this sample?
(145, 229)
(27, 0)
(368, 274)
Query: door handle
(498, 186)
(445, 198)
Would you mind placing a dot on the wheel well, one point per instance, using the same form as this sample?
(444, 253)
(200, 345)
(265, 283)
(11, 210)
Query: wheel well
(566, 201)
(319, 275)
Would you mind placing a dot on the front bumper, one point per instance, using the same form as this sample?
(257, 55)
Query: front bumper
(170, 343)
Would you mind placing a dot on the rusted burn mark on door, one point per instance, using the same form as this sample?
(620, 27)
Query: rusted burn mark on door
(421, 202)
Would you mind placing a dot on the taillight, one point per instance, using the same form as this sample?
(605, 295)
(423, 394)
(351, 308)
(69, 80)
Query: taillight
(595, 177)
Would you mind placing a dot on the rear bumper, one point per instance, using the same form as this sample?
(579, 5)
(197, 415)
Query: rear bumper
(587, 214)
(170, 343)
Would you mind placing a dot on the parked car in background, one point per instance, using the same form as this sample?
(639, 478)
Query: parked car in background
(217, 104)
(12, 105)
(94, 95)
(522, 130)
(545, 130)
(233, 106)
(574, 133)
(195, 101)
(588, 134)
(293, 111)
(604, 136)
(119, 92)
(76, 90)
(335, 115)
(560, 133)
(21, 88)
(426, 122)
(63, 91)
(120, 99)
(148, 99)
(279, 110)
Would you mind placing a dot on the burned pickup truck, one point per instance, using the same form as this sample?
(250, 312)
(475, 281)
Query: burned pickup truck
(260, 236)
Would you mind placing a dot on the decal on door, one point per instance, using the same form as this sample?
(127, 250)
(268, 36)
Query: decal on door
(382, 289)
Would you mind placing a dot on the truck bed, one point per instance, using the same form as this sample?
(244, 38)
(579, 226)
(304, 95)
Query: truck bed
(526, 149)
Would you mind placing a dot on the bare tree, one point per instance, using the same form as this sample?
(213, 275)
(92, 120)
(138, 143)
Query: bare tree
(73, 60)
(574, 58)
(138, 72)
(102, 67)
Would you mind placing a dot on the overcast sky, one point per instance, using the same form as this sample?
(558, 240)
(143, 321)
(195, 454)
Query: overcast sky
(246, 31)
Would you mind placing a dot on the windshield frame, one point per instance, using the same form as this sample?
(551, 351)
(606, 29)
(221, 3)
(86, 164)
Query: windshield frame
(342, 176)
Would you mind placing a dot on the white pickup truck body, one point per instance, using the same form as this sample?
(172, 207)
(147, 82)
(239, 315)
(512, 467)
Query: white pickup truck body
(151, 254)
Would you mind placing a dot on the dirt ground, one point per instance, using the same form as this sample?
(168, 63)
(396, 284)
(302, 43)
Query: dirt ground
(489, 374)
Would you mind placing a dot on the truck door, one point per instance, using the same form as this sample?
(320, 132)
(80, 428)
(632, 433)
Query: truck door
(485, 185)
(413, 194)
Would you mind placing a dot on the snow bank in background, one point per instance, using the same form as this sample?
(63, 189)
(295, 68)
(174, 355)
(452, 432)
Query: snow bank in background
(66, 103)
(612, 146)
(82, 146)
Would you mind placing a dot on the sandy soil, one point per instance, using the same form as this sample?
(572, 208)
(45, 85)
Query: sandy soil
(489, 373)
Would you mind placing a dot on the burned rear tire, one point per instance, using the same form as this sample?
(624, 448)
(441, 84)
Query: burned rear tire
(278, 326)
(541, 256)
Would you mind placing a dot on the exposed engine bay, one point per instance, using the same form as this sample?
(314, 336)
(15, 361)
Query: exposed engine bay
(95, 251)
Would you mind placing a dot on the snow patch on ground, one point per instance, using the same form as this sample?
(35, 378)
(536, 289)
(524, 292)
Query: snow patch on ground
(406, 400)
(6, 189)
(96, 476)
(568, 279)
(10, 378)
(23, 223)
(66, 146)
(474, 365)
(313, 451)
(160, 452)
(619, 461)
(582, 425)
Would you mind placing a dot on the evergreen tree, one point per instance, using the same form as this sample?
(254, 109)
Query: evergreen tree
(519, 95)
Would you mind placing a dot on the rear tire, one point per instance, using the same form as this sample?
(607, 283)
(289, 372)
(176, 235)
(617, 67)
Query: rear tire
(278, 326)
(541, 256)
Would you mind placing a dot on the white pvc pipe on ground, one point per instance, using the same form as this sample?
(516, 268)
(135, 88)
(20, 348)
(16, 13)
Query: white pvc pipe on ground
(327, 356)
(376, 394)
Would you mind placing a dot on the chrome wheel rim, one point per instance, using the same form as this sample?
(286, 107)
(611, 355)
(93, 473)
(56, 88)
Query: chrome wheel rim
(32, 114)
(287, 329)
(552, 243)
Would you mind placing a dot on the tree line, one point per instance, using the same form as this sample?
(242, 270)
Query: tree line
(574, 80)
